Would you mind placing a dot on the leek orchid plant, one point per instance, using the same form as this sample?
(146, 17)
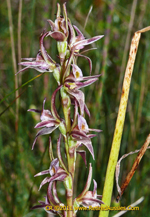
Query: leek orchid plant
(74, 132)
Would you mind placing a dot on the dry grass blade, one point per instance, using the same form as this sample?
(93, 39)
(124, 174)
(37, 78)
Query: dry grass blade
(132, 205)
(127, 44)
(19, 38)
(13, 60)
(133, 169)
(90, 10)
(109, 180)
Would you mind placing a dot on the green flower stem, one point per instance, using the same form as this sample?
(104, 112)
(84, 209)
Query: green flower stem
(69, 193)
(71, 169)
(71, 157)
(67, 118)
(109, 180)
(62, 48)
(66, 103)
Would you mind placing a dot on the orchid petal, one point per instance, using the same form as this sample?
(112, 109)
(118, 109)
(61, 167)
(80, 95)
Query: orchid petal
(46, 200)
(46, 57)
(59, 153)
(90, 201)
(39, 57)
(86, 83)
(75, 114)
(84, 140)
(89, 60)
(42, 173)
(54, 167)
(90, 77)
(65, 15)
(44, 182)
(46, 114)
(91, 135)
(22, 70)
(52, 24)
(83, 155)
(89, 146)
(58, 10)
(43, 104)
(79, 96)
(99, 196)
(40, 66)
(96, 130)
(70, 78)
(44, 131)
(53, 108)
(34, 110)
(86, 50)
(41, 202)
(72, 33)
(29, 59)
(95, 188)
(55, 193)
(30, 64)
(77, 72)
(48, 124)
(87, 185)
(58, 176)
(51, 150)
(82, 124)
(50, 195)
(87, 110)
(80, 34)
(80, 44)
(58, 36)
(79, 134)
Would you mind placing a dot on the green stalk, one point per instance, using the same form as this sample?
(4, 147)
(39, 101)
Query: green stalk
(71, 164)
(109, 180)
(70, 152)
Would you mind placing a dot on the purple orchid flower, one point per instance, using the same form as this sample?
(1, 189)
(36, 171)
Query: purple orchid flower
(89, 198)
(73, 84)
(79, 133)
(48, 122)
(51, 200)
(83, 126)
(56, 172)
(76, 43)
(44, 205)
(42, 63)
(59, 29)
(84, 139)
(79, 42)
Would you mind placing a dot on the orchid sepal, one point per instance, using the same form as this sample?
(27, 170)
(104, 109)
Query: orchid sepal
(87, 185)
(38, 63)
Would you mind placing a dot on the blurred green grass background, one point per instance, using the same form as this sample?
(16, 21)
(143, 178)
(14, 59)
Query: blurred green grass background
(117, 20)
